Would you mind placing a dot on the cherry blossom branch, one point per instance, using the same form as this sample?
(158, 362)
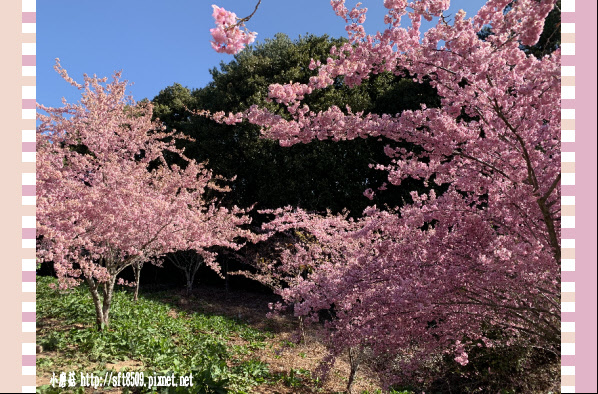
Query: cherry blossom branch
(484, 164)
(227, 36)
(531, 173)
(242, 20)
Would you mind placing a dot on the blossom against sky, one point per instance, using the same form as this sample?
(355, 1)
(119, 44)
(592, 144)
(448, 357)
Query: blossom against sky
(159, 43)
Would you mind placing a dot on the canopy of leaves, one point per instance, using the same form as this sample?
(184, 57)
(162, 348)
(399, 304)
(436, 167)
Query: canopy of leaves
(317, 176)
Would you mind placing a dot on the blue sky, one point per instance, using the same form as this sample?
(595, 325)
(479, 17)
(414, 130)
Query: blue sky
(158, 43)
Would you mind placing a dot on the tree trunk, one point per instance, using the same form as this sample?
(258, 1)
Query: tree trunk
(102, 303)
(108, 291)
(189, 281)
(226, 276)
(301, 330)
(137, 270)
(354, 359)
(97, 303)
(189, 262)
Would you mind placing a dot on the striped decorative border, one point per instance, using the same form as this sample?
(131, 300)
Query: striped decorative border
(28, 111)
(568, 197)
(567, 203)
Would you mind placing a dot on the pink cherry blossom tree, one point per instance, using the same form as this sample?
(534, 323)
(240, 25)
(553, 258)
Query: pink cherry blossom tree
(107, 199)
(227, 35)
(481, 248)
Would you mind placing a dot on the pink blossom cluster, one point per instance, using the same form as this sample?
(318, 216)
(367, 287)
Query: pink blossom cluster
(107, 199)
(289, 93)
(462, 356)
(227, 35)
(386, 278)
(482, 247)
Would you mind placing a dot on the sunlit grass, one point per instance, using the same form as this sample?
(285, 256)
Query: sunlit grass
(150, 334)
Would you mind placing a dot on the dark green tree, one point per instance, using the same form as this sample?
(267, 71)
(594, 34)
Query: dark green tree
(317, 176)
(550, 39)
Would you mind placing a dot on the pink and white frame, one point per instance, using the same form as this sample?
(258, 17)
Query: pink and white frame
(578, 202)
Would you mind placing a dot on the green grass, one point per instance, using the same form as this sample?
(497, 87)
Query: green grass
(147, 332)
